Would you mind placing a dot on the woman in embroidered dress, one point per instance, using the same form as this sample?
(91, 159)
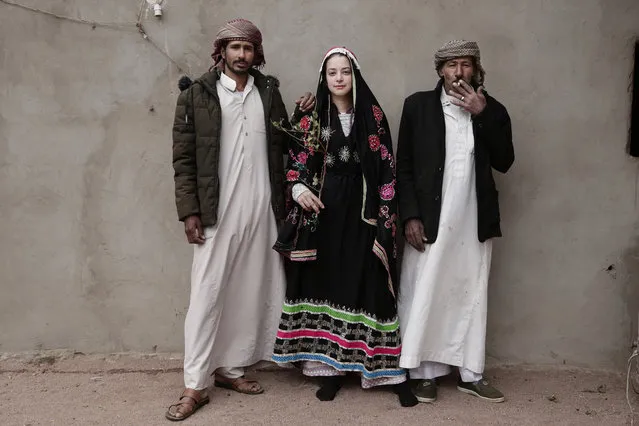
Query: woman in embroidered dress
(339, 238)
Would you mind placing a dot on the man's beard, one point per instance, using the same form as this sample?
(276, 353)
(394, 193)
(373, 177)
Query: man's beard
(240, 71)
(463, 79)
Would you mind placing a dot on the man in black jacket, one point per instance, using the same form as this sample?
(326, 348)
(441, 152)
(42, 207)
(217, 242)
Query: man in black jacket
(450, 139)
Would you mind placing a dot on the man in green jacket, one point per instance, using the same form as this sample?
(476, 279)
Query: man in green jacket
(230, 190)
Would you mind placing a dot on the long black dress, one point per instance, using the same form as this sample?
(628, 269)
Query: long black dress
(339, 310)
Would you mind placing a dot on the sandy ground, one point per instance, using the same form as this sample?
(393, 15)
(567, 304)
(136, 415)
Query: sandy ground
(136, 390)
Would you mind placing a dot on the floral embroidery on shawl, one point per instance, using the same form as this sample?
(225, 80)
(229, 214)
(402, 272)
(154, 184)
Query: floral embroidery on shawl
(306, 149)
(378, 114)
(373, 142)
(385, 247)
(307, 157)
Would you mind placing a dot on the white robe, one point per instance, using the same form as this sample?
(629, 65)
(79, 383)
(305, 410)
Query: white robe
(237, 279)
(443, 291)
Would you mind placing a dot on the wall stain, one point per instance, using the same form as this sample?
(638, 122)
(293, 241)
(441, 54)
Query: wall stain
(92, 272)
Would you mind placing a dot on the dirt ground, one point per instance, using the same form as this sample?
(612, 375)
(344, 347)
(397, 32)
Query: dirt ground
(74, 389)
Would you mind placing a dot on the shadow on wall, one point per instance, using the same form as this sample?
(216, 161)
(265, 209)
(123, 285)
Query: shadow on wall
(633, 141)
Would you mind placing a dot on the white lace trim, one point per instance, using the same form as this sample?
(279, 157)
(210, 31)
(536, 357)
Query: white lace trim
(297, 190)
(346, 119)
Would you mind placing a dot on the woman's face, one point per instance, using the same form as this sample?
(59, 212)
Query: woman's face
(339, 75)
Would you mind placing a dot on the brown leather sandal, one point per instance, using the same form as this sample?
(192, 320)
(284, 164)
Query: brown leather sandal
(190, 401)
(241, 385)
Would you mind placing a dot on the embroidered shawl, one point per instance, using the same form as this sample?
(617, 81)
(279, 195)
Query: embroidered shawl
(307, 164)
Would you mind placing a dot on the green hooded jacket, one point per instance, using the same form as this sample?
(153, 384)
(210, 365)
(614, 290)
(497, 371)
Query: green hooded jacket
(196, 146)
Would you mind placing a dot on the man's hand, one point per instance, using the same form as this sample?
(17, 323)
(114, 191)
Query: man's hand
(466, 97)
(306, 102)
(193, 230)
(309, 202)
(414, 232)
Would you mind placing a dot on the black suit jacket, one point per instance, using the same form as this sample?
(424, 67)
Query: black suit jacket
(421, 155)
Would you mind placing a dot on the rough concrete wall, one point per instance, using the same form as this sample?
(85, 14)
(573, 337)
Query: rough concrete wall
(91, 254)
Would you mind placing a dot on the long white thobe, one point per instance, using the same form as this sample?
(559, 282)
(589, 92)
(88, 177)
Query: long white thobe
(237, 280)
(443, 291)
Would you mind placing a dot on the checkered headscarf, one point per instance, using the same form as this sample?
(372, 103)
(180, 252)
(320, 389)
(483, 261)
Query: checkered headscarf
(242, 30)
